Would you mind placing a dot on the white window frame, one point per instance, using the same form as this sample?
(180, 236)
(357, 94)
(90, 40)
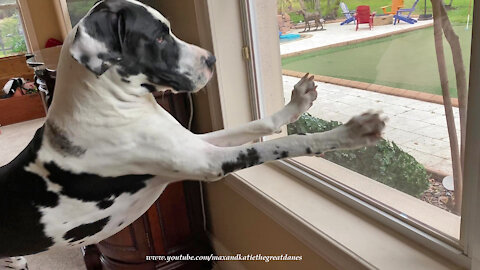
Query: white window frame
(466, 252)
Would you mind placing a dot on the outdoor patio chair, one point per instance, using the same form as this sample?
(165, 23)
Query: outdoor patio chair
(396, 4)
(363, 15)
(349, 14)
(399, 17)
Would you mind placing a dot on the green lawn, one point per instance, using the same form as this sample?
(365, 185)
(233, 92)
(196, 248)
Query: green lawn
(457, 15)
(405, 61)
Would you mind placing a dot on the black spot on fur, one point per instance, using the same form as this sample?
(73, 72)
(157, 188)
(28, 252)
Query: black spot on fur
(333, 148)
(284, 154)
(60, 142)
(125, 80)
(94, 188)
(104, 204)
(22, 194)
(120, 224)
(309, 150)
(84, 59)
(149, 87)
(318, 153)
(85, 230)
(275, 152)
(243, 161)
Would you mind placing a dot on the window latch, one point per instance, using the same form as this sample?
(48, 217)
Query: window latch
(246, 52)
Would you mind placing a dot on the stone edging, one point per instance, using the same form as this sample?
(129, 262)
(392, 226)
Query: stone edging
(375, 88)
(358, 40)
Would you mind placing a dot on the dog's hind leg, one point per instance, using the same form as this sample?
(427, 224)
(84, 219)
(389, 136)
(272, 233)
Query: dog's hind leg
(303, 95)
(13, 263)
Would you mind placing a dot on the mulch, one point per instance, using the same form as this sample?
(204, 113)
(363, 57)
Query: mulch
(437, 195)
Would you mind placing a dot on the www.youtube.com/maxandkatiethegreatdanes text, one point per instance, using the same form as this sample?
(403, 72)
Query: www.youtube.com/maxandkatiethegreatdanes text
(212, 257)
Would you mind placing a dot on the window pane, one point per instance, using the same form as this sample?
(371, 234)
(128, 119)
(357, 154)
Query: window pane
(12, 37)
(79, 8)
(390, 68)
(7, 2)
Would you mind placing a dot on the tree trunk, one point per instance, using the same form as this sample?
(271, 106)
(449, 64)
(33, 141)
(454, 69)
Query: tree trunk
(461, 76)
(302, 4)
(317, 5)
(437, 7)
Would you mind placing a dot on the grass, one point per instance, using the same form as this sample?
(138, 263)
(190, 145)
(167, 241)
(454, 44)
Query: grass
(457, 15)
(405, 61)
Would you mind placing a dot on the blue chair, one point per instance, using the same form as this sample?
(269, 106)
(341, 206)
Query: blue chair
(349, 15)
(399, 17)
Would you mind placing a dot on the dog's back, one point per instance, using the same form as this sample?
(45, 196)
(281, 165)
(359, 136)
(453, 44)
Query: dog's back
(21, 196)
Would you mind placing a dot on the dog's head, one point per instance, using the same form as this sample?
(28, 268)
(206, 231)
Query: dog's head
(135, 42)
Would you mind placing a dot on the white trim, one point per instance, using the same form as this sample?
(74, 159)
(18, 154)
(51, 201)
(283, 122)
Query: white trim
(221, 249)
(326, 247)
(63, 16)
(407, 230)
(28, 27)
(250, 35)
(470, 233)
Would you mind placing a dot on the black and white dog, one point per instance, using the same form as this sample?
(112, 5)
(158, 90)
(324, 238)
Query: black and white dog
(107, 150)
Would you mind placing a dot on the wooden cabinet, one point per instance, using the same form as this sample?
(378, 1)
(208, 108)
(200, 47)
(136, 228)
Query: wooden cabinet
(172, 226)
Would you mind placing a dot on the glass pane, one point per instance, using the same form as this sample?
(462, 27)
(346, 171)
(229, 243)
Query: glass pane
(389, 66)
(12, 37)
(79, 8)
(7, 2)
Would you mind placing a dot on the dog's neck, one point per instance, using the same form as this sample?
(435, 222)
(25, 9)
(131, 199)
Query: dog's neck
(111, 99)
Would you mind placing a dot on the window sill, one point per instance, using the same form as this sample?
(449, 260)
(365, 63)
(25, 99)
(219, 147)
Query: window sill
(345, 237)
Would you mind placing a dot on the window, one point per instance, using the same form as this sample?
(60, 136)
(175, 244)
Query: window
(78, 8)
(12, 36)
(392, 68)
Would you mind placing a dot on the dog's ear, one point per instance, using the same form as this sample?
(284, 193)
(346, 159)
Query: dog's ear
(98, 41)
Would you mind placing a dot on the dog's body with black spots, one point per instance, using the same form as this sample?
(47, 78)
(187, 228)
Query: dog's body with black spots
(107, 150)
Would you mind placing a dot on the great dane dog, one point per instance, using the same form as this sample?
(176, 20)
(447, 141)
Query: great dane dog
(107, 150)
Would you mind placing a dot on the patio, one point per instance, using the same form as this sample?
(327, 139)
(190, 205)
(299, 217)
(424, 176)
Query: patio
(418, 127)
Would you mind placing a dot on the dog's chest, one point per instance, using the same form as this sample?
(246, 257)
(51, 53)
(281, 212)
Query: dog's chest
(80, 222)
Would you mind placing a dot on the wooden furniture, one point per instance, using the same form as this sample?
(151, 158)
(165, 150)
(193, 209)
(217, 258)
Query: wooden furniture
(172, 226)
(396, 4)
(364, 16)
(23, 108)
(19, 109)
(13, 67)
(382, 19)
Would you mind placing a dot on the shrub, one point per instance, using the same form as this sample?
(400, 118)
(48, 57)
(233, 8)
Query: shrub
(385, 162)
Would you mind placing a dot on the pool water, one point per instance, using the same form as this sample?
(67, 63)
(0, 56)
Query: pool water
(289, 37)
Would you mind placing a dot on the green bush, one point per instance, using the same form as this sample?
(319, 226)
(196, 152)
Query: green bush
(385, 162)
(12, 39)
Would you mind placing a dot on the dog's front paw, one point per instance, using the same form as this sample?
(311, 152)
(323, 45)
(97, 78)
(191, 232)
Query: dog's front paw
(303, 95)
(362, 130)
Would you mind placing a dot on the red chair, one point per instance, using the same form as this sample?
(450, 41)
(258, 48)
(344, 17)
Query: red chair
(363, 15)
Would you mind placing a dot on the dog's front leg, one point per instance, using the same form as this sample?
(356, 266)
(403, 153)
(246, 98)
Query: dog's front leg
(214, 162)
(303, 95)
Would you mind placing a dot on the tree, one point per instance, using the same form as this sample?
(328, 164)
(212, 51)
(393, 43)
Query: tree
(441, 26)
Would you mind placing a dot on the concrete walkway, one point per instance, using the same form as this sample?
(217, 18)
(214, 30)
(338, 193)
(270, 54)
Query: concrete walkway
(418, 127)
(337, 34)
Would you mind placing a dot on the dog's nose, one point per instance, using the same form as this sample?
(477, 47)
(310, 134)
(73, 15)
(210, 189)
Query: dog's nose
(210, 61)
